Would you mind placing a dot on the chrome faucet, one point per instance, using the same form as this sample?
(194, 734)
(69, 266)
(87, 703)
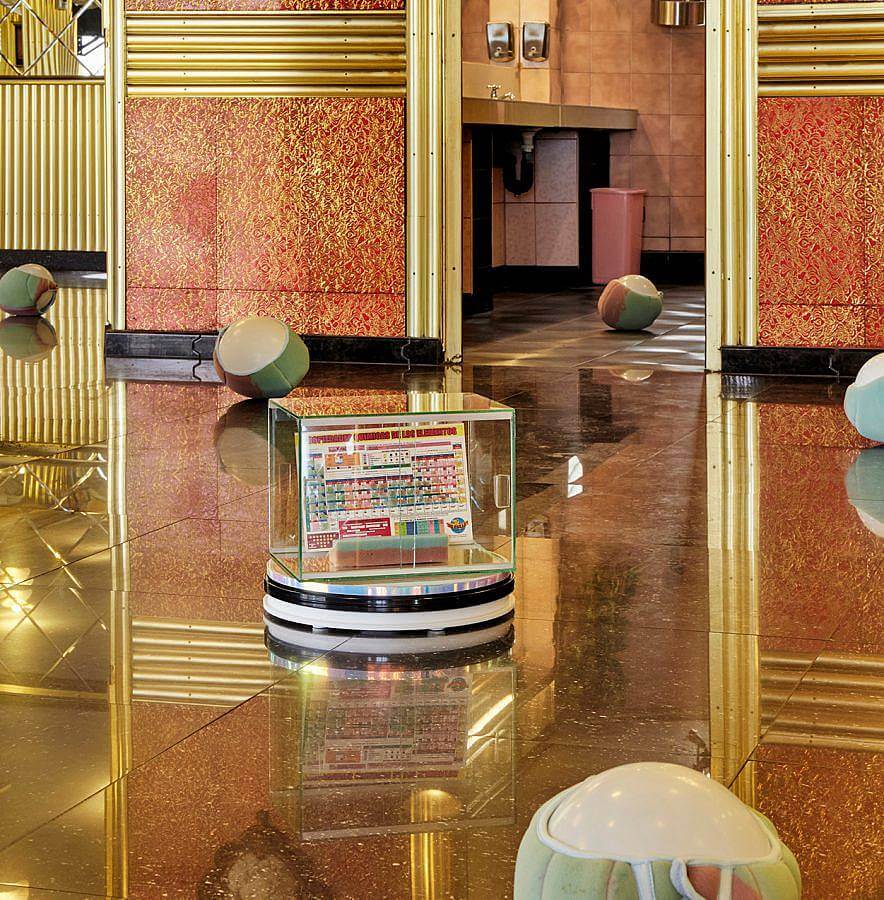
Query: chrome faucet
(509, 95)
(494, 88)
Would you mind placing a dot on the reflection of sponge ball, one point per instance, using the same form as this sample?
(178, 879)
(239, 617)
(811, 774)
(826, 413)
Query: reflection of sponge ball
(630, 303)
(864, 400)
(27, 290)
(240, 439)
(865, 488)
(28, 338)
(259, 357)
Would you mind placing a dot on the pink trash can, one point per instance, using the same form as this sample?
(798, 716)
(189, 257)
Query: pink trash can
(617, 218)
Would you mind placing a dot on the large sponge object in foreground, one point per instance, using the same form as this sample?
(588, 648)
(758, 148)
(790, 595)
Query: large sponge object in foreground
(864, 400)
(630, 303)
(27, 290)
(261, 358)
(652, 830)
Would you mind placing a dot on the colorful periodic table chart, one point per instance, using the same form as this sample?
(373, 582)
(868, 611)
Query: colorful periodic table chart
(385, 480)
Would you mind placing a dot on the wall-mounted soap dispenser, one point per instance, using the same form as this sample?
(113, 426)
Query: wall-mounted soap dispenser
(501, 43)
(535, 41)
(678, 13)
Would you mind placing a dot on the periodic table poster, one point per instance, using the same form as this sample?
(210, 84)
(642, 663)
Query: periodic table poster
(385, 480)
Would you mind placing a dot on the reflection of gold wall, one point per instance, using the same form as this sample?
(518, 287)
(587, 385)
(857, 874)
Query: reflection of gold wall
(62, 399)
(52, 194)
(732, 517)
(57, 62)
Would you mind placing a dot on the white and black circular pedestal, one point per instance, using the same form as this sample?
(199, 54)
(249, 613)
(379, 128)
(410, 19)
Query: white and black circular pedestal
(446, 603)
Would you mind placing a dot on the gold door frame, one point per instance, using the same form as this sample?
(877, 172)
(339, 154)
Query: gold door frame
(433, 146)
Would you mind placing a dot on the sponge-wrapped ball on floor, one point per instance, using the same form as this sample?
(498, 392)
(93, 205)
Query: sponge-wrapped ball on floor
(652, 830)
(864, 400)
(630, 303)
(260, 357)
(27, 290)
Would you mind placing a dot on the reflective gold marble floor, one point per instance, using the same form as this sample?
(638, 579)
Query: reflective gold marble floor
(694, 585)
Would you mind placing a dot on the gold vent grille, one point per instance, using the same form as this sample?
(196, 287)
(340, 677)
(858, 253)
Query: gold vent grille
(829, 49)
(266, 54)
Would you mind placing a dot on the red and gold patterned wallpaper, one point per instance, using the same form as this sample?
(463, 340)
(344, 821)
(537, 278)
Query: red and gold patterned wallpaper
(821, 221)
(292, 207)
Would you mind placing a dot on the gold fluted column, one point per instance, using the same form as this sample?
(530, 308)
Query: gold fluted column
(731, 101)
(433, 203)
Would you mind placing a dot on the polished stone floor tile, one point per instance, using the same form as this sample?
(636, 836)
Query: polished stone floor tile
(695, 584)
(564, 330)
(238, 790)
(826, 805)
(63, 742)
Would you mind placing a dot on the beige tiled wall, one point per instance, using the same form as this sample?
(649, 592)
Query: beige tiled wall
(541, 225)
(612, 55)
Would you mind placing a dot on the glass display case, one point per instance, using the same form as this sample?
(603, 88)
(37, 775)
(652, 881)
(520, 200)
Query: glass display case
(379, 498)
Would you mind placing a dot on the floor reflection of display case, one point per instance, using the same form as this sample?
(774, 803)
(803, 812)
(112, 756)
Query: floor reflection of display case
(396, 515)
(415, 738)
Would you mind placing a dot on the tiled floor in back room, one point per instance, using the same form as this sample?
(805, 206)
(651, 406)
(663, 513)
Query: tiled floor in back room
(694, 585)
(563, 329)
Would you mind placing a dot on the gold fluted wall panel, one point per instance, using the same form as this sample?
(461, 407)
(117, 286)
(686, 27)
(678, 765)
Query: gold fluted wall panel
(836, 705)
(263, 54)
(821, 50)
(52, 190)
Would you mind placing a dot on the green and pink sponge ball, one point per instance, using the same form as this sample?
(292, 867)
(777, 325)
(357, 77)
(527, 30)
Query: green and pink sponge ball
(260, 357)
(630, 303)
(27, 290)
(864, 400)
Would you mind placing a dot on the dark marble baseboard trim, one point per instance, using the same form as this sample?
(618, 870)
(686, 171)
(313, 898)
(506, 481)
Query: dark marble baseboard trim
(832, 362)
(323, 348)
(538, 278)
(56, 260)
(121, 368)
